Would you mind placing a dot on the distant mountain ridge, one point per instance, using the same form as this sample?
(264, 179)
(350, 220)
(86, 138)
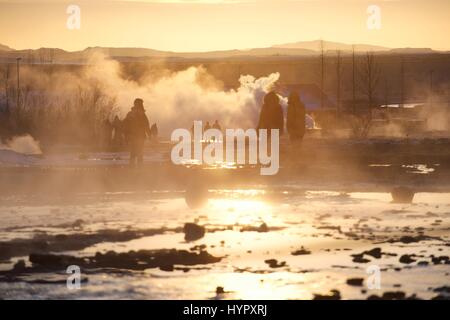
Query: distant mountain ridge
(5, 48)
(302, 48)
(330, 45)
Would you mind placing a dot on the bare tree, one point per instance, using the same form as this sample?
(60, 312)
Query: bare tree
(30, 57)
(369, 75)
(431, 89)
(6, 75)
(369, 78)
(18, 84)
(51, 55)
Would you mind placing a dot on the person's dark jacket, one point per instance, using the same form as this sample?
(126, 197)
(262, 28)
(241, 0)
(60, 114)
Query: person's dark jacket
(296, 113)
(271, 116)
(136, 124)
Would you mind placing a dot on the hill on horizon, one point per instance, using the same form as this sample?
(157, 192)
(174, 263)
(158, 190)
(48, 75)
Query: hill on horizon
(330, 45)
(301, 48)
(5, 48)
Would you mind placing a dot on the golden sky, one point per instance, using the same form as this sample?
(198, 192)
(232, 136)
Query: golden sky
(204, 25)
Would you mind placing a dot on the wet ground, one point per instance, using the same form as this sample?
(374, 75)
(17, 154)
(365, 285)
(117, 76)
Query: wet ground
(262, 242)
(325, 227)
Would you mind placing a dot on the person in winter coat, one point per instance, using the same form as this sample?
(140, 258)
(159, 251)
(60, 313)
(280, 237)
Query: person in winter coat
(137, 129)
(271, 116)
(296, 114)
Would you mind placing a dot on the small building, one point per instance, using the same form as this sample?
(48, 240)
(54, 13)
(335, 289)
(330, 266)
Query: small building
(310, 94)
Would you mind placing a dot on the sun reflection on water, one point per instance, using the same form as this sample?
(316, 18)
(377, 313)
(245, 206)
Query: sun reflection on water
(278, 285)
(240, 211)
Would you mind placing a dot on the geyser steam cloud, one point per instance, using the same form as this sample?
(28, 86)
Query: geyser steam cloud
(22, 144)
(173, 99)
(177, 99)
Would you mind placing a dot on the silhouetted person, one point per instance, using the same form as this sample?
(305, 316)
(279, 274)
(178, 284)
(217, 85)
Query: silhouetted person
(154, 131)
(118, 139)
(5, 123)
(271, 116)
(137, 128)
(217, 126)
(107, 130)
(296, 114)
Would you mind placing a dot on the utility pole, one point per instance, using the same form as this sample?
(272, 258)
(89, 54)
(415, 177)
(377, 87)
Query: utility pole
(431, 89)
(402, 82)
(353, 80)
(386, 92)
(322, 73)
(338, 80)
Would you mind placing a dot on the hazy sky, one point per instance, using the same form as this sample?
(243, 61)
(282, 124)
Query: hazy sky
(203, 25)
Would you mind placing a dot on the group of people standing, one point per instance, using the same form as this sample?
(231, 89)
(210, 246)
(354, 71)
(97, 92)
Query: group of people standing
(216, 125)
(135, 128)
(271, 116)
(131, 132)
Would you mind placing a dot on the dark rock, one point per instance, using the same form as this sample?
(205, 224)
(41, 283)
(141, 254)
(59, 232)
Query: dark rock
(300, 252)
(375, 252)
(220, 290)
(444, 289)
(193, 232)
(407, 258)
(394, 295)
(43, 243)
(440, 260)
(261, 228)
(389, 295)
(54, 261)
(402, 195)
(168, 268)
(413, 239)
(58, 281)
(19, 266)
(273, 263)
(333, 295)
(356, 282)
(199, 247)
(359, 258)
(164, 259)
(441, 297)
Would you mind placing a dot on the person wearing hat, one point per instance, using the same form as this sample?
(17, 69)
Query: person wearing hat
(138, 129)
